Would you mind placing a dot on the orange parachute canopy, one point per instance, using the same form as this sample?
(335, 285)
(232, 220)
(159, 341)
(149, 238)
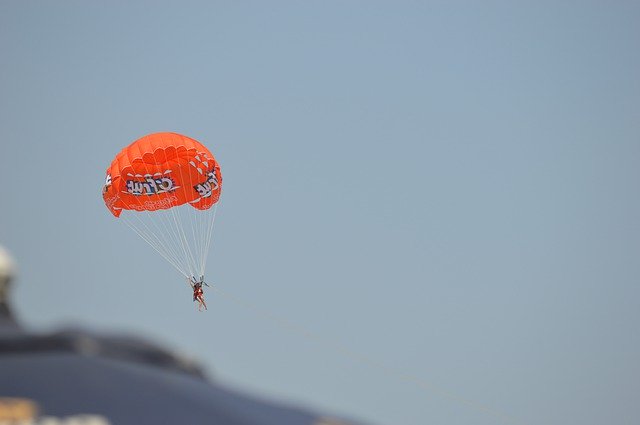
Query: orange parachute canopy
(161, 171)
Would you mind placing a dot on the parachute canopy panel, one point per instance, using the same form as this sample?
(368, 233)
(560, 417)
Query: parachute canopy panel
(161, 171)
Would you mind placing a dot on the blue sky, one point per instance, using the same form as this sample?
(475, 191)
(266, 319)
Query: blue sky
(446, 188)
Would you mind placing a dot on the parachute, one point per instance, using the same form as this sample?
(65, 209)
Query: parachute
(170, 185)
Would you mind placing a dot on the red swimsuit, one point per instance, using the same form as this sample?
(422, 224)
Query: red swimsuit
(198, 293)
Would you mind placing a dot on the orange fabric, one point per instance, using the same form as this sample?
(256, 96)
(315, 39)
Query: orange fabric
(161, 171)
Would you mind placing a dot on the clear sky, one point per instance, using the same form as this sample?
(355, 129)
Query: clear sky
(449, 188)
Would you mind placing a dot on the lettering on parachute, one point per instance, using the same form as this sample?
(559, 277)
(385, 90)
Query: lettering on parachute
(107, 183)
(205, 189)
(165, 203)
(150, 186)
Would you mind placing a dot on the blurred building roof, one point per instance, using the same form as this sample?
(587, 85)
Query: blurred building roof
(78, 376)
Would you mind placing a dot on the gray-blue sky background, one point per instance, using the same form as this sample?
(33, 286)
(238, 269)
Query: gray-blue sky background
(450, 188)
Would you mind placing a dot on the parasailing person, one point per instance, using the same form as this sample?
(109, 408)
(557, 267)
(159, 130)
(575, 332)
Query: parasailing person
(169, 184)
